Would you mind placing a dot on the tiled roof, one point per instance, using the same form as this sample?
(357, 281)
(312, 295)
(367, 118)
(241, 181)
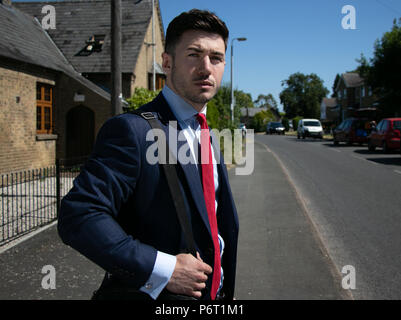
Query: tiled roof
(23, 39)
(352, 79)
(78, 20)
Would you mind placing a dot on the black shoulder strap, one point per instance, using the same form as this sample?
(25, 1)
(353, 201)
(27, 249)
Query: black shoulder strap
(172, 180)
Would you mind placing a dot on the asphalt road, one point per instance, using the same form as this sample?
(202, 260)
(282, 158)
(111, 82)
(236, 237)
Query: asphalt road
(354, 200)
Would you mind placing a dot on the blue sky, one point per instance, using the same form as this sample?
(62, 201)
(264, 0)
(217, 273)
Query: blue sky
(288, 36)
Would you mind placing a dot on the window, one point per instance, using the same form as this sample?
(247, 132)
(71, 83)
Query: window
(312, 124)
(93, 44)
(397, 125)
(380, 125)
(385, 125)
(160, 81)
(362, 91)
(44, 108)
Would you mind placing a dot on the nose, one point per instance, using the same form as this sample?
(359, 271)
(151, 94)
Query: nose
(204, 67)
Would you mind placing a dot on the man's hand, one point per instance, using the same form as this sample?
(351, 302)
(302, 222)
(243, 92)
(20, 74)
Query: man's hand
(189, 276)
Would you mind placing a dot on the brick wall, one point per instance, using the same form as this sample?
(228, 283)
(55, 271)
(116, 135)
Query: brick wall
(19, 147)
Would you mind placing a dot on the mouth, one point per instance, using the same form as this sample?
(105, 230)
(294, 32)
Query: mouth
(204, 83)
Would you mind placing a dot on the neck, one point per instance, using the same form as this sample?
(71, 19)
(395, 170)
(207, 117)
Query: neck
(197, 106)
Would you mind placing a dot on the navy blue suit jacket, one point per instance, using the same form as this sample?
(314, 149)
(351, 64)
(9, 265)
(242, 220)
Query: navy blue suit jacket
(119, 212)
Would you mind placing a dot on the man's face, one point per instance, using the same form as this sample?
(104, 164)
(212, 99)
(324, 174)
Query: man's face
(196, 68)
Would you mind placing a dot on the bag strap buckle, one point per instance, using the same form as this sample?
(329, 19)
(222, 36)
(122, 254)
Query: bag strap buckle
(147, 115)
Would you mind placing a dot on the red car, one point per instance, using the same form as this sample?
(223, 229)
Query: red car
(386, 135)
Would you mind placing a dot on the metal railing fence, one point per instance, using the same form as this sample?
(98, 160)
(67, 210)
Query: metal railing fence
(31, 199)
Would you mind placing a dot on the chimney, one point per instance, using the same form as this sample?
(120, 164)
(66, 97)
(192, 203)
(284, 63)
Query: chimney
(5, 2)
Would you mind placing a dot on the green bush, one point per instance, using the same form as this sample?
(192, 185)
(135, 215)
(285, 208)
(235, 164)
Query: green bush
(140, 97)
(261, 119)
(295, 122)
(286, 124)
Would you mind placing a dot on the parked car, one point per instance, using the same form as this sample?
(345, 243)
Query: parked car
(386, 135)
(351, 130)
(275, 127)
(309, 128)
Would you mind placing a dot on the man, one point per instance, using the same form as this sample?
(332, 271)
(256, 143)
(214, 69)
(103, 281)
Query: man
(120, 213)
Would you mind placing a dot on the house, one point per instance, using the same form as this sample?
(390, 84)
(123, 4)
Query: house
(354, 97)
(83, 34)
(55, 83)
(329, 112)
(43, 99)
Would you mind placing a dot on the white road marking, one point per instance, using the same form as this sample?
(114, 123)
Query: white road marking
(369, 161)
(356, 157)
(397, 171)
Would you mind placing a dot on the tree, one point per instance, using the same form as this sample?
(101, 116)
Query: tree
(219, 108)
(140, 97)
(302, 95)
(334, 94)
(383, 72)
(267, 101)
(243, 100)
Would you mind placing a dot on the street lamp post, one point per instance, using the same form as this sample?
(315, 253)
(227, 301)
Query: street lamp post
(232, 88)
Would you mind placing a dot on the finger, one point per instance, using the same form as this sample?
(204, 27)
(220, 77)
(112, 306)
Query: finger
(206, 268)
(201, 277)
(199, 286)
(196, 294)
(198, 256)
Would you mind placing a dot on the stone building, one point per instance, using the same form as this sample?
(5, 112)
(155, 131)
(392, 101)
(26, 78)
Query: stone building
(82, 33)
(55, 83)
(37, 83)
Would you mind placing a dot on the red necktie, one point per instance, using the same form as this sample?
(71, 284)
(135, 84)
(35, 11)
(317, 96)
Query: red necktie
(209, 193)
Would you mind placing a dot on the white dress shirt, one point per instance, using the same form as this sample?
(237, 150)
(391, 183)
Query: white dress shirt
(186, 117)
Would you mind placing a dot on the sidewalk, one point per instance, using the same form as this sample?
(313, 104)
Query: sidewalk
(279, 256)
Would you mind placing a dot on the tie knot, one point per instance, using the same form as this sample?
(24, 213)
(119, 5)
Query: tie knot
(202, 120)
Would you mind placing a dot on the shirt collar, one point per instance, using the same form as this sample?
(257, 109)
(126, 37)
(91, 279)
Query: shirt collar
(182, 110)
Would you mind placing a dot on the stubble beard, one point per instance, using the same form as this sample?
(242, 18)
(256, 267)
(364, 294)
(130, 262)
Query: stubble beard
(184, 90)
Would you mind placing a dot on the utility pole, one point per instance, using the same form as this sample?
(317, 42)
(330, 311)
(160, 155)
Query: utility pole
(153, 45)
(116, 92)
(232, 76)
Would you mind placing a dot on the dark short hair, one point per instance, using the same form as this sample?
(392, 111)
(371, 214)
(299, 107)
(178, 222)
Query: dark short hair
(194, 19)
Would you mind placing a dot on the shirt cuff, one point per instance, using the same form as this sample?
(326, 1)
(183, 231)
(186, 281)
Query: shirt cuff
(161, 274)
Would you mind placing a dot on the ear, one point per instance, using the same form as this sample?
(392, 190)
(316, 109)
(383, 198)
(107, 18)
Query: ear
(167, 62)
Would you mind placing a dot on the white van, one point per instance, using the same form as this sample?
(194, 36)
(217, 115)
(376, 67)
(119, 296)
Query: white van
(309, 128)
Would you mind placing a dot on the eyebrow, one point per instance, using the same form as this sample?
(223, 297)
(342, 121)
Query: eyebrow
(198, 50)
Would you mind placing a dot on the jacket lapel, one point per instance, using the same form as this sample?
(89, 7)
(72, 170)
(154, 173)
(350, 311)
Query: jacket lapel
(190, 170)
